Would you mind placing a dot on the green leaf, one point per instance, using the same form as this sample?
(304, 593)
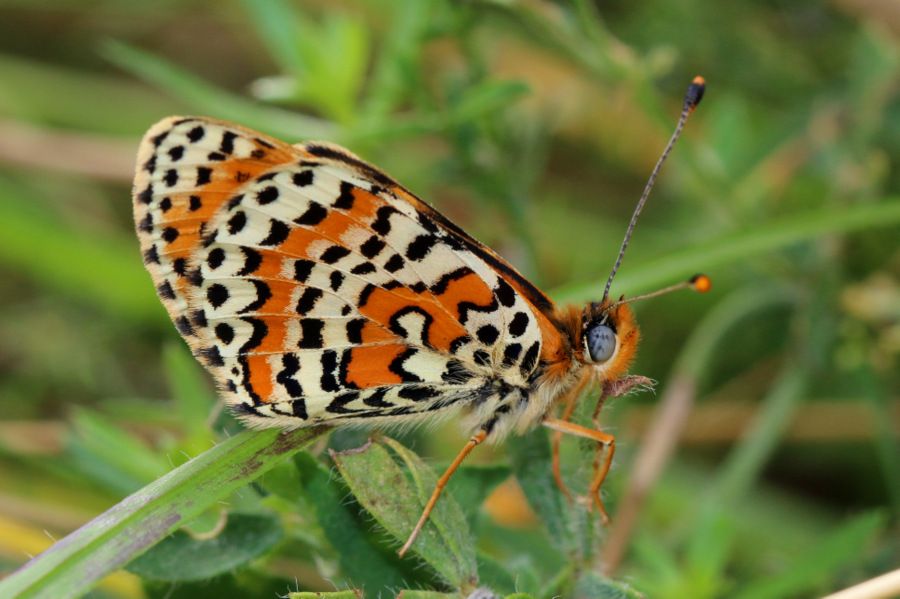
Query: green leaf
(594, 586)
(360, 560)
(382, 488)
(110, 455)
(76, 563)
(531, 462)
(181, 557)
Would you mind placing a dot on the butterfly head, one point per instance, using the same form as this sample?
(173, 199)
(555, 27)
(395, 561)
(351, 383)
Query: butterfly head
(609, 338)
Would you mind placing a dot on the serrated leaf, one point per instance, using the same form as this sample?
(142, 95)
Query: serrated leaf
(396, 503)
(181, 557)
(531, 462)
(594, 586)
(360, 560)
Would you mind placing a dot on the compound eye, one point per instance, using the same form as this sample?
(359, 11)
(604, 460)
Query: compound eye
(600, 341)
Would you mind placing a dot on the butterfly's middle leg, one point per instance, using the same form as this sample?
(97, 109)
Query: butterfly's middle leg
(476, 440)
(570, 401)
(605, 440)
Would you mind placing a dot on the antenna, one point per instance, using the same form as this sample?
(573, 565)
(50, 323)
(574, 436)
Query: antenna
(700, 283)
(691, 99)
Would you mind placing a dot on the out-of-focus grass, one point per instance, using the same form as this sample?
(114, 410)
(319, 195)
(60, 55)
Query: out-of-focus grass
(533, 126)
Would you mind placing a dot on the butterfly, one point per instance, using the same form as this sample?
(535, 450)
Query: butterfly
(317, 290)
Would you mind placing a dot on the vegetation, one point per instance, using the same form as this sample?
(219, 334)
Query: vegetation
(765, 465)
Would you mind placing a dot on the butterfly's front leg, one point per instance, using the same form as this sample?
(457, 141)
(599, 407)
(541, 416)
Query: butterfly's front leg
(607, 446)
(569, 401)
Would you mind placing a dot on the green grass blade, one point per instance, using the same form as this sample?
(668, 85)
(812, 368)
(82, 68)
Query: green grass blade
(805, 576)
(216, 102)
(76, 563)
(182, 557)
(734, 246)
(100, 271)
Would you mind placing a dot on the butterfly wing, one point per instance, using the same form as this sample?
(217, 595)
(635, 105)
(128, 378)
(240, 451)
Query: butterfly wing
(315, 288)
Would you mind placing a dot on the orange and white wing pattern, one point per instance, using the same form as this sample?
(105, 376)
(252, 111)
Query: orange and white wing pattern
(316, 289)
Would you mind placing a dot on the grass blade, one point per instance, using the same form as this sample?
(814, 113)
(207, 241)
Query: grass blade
(105, 544)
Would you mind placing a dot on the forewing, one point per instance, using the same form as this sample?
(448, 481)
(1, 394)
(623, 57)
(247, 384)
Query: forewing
(314, 287)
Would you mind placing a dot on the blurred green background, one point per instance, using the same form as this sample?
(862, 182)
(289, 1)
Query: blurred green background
(534, 126)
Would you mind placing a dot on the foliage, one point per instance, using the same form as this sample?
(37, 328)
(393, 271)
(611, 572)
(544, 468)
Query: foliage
(533, 125)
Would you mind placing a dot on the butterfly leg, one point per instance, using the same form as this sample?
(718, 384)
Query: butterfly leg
(476, 440)
(606, 441)
(570, 404)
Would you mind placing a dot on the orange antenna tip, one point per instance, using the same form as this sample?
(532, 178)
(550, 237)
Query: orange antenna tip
(701, 283)
(694, 93)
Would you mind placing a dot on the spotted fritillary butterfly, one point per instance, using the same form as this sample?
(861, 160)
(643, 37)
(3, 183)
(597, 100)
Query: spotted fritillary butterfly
(318, 290)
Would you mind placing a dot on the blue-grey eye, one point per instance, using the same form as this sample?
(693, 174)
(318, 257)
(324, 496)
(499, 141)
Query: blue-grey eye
(600, 341)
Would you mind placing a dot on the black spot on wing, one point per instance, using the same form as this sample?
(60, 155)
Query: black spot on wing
(372, 247)
(376, 400)
(382, 222)
(210, 356)
(396, 366)
(267, 195)
(224, 332)
(421, 246)
(345, 200)
(333, 254)
(196, 134)
(285, 377)
(519, 324)
(278, 232)
(260, 330)
(530, 359)
(356, 163)
(329, 381)
(227, 145)
(263, 293)
(165, 291)
(204, 175)
(418, 392)
(397, 327)
(311, 334)
(237, 222)
(184, 326)
(303, 269)
(440, 286)
(314, 214)
(303, 178)
(308, 300)
(217, 294)
(252, 261)
(336, 406)
(215, 258)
